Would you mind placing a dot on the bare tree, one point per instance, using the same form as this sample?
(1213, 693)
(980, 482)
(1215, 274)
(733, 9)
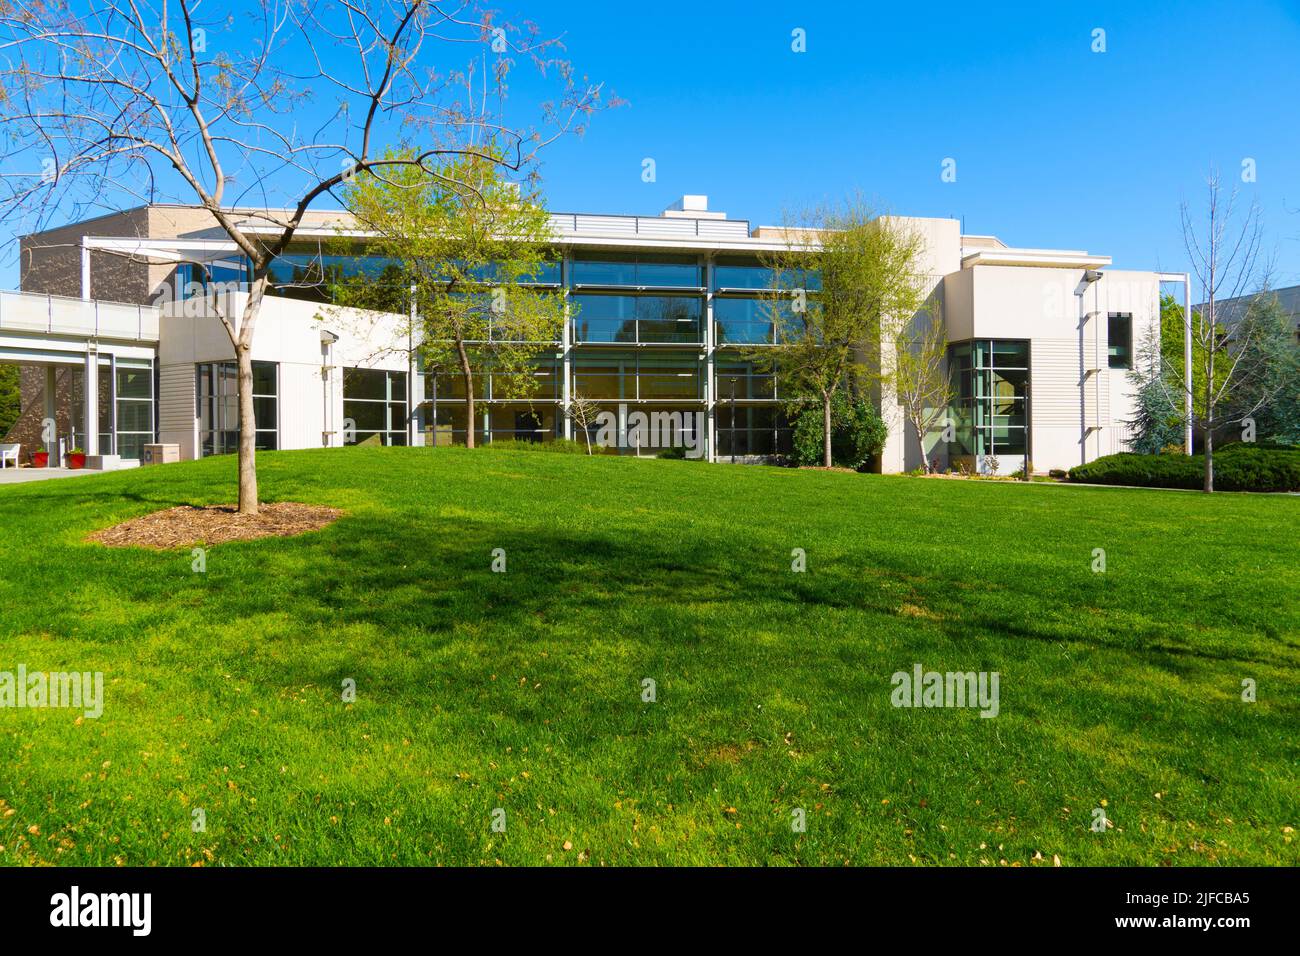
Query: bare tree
(1225, 259)
(919, 375)
(122, 98)
(583, 411)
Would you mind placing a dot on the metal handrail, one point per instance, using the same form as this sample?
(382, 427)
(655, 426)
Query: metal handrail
(77, 307)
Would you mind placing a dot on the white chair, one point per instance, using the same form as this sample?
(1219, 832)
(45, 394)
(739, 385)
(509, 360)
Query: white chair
(8, 451)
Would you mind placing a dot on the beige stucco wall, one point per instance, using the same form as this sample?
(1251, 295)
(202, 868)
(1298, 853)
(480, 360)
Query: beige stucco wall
(941, 240)
(289, 333)
(1079, 406)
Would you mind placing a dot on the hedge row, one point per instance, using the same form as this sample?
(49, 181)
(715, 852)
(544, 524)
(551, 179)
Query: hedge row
(1237, 467)
(561, 446)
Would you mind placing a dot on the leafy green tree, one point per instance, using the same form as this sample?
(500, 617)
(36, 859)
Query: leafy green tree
(1157, 422)
(1267, 397)
(465, 242)
(10, 397)
(1171, 345)
(842, 281)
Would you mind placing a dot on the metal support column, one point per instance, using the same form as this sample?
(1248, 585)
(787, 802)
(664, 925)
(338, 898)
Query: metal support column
(566, 352)
(91, 393)
(710, 344)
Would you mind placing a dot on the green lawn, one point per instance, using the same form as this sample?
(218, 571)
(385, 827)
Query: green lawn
(523, 690)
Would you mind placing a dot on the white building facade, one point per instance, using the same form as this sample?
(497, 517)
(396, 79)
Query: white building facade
(665, 310)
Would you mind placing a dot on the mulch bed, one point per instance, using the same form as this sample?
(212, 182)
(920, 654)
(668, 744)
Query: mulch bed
(215, 524)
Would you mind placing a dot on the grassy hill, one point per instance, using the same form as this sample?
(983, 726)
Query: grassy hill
(523, 690)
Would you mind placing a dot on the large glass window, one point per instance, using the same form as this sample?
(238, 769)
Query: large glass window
(740, 321)
(540, 383)
(751, 429)
(741, 272)
(522, 422)
(445, 425)
(1119, 340)
(744, 272)
(194, 280)
(374, 401)
(991, 381)
(604, 378)
(218, 398)
(448, 384)
(743, 380)
(311, 276)
(638, 378)
(647, 269)
(628, 318)
(664, 378)
(77, 437)
(134, 408)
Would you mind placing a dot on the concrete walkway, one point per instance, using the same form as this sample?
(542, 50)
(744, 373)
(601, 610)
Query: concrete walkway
(15, 476)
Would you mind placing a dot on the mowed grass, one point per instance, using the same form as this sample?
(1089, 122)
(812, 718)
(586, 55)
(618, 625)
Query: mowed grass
(523, 690)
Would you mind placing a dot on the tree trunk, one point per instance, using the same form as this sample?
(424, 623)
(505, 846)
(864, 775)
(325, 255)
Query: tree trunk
(247, 433)
(247, 419)
(826, 427)
(920, 443)
(1209, 416)
(1209, 458)
(468, 375)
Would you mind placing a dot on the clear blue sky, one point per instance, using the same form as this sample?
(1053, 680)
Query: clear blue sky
(1055, 145)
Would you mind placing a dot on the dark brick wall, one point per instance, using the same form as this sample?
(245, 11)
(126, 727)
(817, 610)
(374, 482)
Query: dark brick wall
(67, 396)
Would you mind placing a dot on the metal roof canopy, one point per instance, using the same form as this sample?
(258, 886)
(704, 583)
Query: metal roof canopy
(204, 251)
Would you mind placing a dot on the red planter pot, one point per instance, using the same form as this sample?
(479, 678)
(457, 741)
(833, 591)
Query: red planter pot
(76, 461)
(40, 459)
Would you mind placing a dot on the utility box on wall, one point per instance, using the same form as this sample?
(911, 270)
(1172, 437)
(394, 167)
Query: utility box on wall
(160, 454)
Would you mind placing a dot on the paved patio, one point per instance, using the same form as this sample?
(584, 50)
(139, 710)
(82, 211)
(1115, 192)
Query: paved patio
(14, 476)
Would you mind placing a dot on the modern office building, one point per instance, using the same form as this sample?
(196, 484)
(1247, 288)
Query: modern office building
(111, 325)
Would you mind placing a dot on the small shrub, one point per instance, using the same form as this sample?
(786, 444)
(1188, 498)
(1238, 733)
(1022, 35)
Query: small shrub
(858, 433)
(679, 454)
(1238, 467)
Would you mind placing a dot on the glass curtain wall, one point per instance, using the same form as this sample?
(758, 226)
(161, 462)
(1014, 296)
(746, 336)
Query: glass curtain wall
(656, 300)
(498, 414)
(991, 382)
(218, 412)
(747, 418)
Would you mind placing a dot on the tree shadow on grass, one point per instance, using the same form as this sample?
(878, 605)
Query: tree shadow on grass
(666, 594)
